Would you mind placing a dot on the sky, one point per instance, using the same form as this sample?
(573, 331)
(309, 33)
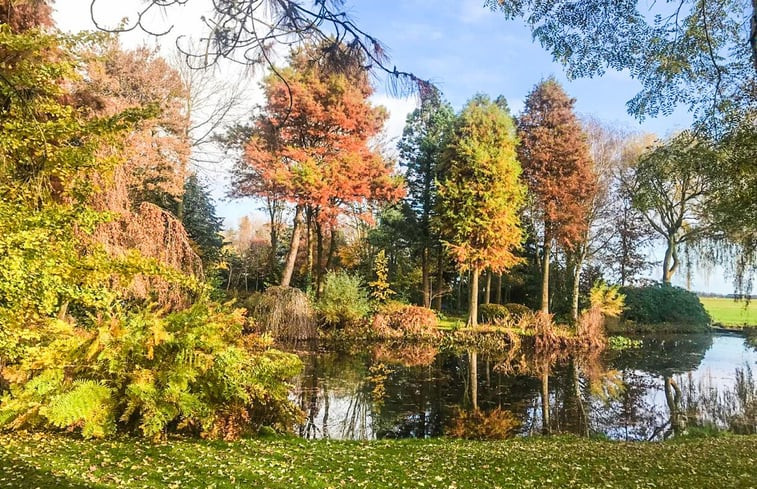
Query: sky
(457, 44)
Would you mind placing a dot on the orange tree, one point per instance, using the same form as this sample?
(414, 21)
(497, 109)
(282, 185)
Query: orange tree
(311, 146)
(481, 194)
(557, 167)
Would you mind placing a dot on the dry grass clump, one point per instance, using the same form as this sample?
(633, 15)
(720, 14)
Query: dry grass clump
(286, 314)
(497, 424)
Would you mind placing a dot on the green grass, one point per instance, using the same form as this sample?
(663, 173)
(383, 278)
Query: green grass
(450, 322)
(729, 312)
(56, 461)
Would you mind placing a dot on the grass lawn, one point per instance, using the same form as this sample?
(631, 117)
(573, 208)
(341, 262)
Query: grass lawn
(729, 312)
(57, 461)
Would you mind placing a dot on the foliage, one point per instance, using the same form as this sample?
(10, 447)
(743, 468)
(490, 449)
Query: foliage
(189, 370)
(380, 291)
(698, 53)
(496, 424)
(343, 299)
(284, 312)
(493, 313)
(402, 320)
(556, 161)
(481, 193)
(607, 299)
(658, 304)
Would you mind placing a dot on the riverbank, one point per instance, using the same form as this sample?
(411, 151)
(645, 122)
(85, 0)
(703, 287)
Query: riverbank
(58, 461)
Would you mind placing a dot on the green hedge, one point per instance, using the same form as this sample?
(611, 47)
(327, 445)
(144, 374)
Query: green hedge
(670, 308)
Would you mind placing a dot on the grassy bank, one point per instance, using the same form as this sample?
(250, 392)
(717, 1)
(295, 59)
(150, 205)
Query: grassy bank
(47, 461)
(729, 312)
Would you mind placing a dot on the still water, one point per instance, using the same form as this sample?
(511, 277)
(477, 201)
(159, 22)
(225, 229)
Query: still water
(652, 391)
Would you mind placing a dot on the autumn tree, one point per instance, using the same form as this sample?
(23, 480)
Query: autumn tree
(557, 167)
(312, 147)
(481, 193)
(420, 148)
(672, 190)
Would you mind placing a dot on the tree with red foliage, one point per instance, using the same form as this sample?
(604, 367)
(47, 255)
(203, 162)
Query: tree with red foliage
(558, 169)
(312, 147)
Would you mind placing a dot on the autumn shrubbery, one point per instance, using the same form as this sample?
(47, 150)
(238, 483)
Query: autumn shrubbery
(395, 320)
(150, 372)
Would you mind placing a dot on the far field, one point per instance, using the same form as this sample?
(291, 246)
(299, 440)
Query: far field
(729, 312)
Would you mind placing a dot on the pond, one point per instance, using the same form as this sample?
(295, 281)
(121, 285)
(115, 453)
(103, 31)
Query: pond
(652, 390)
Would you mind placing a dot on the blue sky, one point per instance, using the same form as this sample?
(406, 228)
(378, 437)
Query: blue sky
(459, 45)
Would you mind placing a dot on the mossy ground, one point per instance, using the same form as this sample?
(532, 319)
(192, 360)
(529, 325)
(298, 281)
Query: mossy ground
(58, 461)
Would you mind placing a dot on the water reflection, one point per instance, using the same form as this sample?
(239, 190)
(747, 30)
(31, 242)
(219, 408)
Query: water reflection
(668, 385)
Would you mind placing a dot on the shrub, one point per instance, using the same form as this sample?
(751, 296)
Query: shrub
(517, 311)
(493, 313)
(395, 320)
(343, 300)
(661, 304)
(285, 313)
(497, 424)
(191, 370)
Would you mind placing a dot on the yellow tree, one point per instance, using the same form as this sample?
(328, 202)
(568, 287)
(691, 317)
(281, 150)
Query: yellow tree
(481, 193)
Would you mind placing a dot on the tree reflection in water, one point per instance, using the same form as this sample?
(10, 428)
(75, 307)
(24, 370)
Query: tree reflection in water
(653, 392)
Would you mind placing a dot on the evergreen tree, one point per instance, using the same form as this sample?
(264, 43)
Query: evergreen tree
(481, 193)
(200, 221)
(420, 148)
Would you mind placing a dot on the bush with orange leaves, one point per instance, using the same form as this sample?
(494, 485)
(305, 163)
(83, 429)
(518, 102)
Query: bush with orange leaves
(397, 320)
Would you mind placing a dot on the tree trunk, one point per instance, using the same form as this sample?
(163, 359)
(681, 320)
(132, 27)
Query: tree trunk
(576, 284)
(488, 291)
(670, 263)
(274, 236)
(473, 360)
(332, 248)
(439, 279)
(318, 258)
(309, 233)
(473, 305)
(545, 277)
(498, 295)
(286, 276)
(425, 277)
